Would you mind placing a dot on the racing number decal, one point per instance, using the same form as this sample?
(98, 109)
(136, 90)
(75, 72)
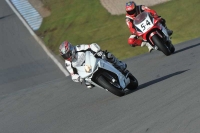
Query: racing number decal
(143, 26)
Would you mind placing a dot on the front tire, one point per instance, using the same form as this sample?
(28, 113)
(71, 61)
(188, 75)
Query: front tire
(161, 44)
(110, 87)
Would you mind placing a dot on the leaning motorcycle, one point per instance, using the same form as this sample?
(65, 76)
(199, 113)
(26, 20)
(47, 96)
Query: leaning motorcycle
(152, 31)
(103, 74)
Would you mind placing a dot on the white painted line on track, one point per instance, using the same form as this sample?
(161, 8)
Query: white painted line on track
(38, 40)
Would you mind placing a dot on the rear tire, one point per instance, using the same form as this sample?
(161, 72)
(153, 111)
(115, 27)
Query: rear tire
(111, 88)
(172, 49)
(133, 83)
(161, 45)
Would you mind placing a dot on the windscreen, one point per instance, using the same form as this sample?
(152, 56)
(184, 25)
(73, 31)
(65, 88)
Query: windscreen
(141, 17)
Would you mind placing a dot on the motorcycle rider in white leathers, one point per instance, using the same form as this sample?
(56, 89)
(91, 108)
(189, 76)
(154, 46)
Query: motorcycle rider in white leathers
(75, 56)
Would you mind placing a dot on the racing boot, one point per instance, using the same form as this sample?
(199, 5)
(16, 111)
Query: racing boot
(88, 85)
(163, 22)
(121, 66)
(148, 46)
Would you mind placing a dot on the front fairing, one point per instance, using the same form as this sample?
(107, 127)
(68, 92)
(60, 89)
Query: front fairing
(144, 23)
(91, 61)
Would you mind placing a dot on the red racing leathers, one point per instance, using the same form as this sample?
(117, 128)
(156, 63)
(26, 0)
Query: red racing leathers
(133, 39)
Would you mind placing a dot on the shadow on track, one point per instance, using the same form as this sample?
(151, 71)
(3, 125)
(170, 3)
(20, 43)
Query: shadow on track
(6, 16)
(180, 50)
(156, 81)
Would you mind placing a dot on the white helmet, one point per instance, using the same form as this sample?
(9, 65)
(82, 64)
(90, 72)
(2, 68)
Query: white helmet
(67, 50)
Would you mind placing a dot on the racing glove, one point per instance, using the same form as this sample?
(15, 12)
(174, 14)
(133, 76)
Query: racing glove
(100, 53)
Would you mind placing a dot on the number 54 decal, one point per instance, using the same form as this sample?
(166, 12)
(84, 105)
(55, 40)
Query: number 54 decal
(145, 24)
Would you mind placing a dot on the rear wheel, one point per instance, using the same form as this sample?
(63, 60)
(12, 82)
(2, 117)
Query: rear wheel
(111, 86)
(172, 49)
(133, 82)
(161, 45)
(171, 46)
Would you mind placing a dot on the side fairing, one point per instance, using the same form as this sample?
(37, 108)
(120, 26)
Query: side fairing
(109, 67)
(92, 64)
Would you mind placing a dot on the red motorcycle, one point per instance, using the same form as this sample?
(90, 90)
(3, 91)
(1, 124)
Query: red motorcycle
(152, 31)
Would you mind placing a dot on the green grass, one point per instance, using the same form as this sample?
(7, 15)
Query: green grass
(86, 21)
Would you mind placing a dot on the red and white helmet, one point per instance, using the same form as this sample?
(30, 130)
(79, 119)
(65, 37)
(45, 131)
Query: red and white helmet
(67, 51)
(131, 7)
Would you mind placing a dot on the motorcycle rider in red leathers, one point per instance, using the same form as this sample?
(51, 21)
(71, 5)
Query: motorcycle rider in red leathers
(132, 10)
(75, 56)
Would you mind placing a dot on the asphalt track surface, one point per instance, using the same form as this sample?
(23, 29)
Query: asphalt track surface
(36, 97)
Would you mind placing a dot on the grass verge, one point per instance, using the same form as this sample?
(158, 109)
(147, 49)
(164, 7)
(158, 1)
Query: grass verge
(86, 21)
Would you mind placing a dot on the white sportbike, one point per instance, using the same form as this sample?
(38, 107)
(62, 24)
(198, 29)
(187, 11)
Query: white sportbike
(103, 74)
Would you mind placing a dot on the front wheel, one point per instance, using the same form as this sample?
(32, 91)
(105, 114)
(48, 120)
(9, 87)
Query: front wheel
(113, 88)
(161, 45)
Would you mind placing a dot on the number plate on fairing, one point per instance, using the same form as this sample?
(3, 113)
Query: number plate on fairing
(145, 25)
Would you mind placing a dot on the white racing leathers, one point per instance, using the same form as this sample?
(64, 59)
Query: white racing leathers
(79, 58)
